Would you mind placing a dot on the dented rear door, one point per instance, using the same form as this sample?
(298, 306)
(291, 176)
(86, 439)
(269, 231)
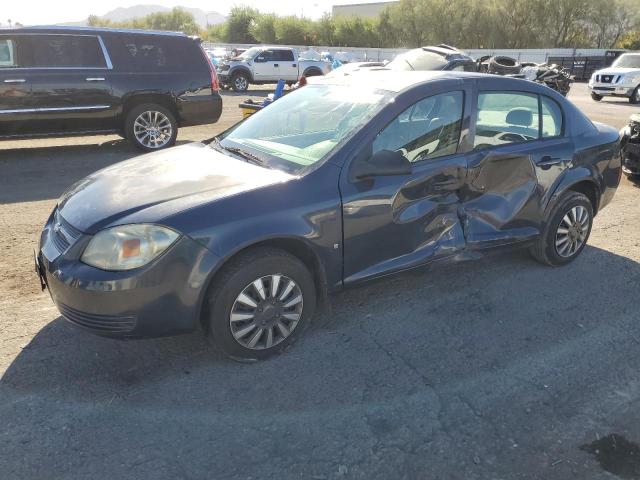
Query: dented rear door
(517, 160)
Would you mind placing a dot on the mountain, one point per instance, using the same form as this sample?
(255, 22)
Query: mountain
(128, 13)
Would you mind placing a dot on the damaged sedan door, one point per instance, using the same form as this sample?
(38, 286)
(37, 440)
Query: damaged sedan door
(518, 156)
(400, 193)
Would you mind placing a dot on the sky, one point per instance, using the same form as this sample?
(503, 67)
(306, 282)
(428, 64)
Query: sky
(42, 12)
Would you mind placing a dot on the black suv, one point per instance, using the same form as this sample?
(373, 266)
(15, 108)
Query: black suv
(142, 85)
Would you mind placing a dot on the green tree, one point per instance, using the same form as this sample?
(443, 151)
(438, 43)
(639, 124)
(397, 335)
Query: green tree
(238, 25)
(263, 28)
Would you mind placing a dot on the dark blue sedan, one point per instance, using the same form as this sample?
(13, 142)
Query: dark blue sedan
(346, 180)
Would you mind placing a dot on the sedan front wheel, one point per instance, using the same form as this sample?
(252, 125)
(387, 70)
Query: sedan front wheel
(260, 303)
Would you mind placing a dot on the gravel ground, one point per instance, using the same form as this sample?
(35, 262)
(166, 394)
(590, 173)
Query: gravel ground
(499, 368)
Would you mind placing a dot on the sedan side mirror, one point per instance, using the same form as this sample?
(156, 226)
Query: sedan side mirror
(382, 163)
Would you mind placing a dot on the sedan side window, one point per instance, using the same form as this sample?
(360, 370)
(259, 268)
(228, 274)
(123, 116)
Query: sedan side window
(427, 129)
(551, 118)
(507, 117)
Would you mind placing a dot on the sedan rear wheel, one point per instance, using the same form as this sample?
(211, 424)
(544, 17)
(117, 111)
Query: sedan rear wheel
(566, 231)
(572, 231)
(260, 303)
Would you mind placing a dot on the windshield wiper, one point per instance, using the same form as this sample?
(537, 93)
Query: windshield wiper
(246, 155)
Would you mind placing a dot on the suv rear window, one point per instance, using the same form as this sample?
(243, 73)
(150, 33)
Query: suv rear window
(145, 52)
(51, 51)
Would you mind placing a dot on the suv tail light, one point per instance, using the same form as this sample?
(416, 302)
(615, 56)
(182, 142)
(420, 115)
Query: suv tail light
(212, 71)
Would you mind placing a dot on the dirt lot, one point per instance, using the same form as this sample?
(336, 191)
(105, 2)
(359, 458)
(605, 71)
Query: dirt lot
(496, 369)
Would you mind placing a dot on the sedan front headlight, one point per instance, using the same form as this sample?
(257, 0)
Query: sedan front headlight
(127, 246)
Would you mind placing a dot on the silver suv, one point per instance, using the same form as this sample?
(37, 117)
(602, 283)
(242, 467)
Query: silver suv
(622, 79)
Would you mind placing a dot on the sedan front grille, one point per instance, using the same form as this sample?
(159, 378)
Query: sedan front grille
(104, 324)
(63, 234)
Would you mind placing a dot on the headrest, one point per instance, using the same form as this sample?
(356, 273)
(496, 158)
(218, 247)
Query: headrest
(520, 116)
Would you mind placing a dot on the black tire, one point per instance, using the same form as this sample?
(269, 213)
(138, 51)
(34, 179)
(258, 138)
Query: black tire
(240, 82)
(545, 250)
(503, 65)
(596, 97)
(312, 72)
(130, 128)
(635, 96)
(234, 279)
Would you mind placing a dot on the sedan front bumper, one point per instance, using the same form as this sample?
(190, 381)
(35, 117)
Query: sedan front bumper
(161, 298)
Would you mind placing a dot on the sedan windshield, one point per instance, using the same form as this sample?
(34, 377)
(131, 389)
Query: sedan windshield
(627, 61)
(304, 126)
(418, 59)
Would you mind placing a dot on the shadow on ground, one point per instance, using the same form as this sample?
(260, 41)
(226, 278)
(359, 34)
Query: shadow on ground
(41, 173)
(462, 372)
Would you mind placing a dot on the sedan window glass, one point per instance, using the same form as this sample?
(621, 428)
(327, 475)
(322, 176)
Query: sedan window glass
(509, 117)
(427, 129)
(551, 118)
(302, 127)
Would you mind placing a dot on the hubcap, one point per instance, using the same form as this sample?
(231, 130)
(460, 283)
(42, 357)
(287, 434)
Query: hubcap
(266, 312)
(241, 83)
(572, 231)
(152, 129)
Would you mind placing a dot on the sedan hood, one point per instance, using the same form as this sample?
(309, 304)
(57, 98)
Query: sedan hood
(156, 185)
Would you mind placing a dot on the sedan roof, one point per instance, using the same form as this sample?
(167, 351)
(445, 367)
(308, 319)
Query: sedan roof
(393, 80)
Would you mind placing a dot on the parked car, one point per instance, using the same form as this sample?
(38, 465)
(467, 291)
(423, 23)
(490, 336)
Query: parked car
(621, 79)
(343, 181)
(441, 57)
(60, 81)
(630, 144)
(260, 65)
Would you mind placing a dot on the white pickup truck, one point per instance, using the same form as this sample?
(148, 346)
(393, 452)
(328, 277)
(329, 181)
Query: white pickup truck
(263, 64)
(622, 79)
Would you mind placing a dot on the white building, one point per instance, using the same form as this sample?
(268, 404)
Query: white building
(365, 10)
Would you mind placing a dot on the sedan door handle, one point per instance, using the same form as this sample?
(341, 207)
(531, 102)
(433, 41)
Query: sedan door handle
(276, 65)
(548, 161)
(95, 79)
(15, 80)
